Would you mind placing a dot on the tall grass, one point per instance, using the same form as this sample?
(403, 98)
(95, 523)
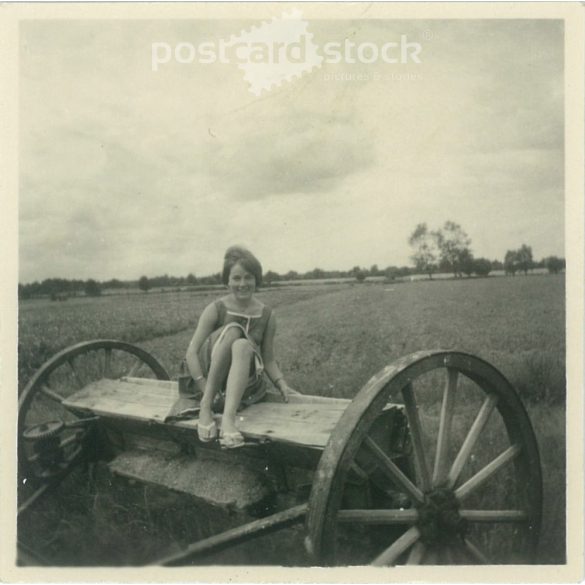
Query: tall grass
(46, 327)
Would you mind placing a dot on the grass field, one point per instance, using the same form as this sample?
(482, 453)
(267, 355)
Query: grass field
(330, 341)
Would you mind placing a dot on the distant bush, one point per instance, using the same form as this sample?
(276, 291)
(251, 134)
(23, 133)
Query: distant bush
(144, 284)
(482, 266)
(270, 277)
(92, 288)
(554, 264)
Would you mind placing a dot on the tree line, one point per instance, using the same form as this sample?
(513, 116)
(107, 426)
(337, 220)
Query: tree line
(448, 249)
(445, 250)
(62, 288)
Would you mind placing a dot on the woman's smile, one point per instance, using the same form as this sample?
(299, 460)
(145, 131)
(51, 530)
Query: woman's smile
(241, 283)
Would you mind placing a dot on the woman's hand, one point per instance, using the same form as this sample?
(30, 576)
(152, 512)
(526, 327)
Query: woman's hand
(285, 390)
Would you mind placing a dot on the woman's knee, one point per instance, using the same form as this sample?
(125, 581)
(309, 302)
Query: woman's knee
(242, 348)
(229, 336)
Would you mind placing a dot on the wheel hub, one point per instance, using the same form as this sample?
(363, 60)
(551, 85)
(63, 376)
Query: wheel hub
(47, 449)
(43, 431)
(439, 518)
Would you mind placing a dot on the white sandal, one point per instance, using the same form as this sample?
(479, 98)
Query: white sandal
(231, 440)
(207, 433)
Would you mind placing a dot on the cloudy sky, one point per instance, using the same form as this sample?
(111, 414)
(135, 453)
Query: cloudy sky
(125, 171)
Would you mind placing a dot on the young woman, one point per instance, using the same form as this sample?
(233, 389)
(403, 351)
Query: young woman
(232, 348)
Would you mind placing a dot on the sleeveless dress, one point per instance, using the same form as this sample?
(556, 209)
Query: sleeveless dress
(253, 328)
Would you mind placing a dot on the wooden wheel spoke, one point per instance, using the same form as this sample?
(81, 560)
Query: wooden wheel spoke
(107, 373)
(469, 443)
(443, 440)
(74, 454)
(33, 498)
(136, 366)
(71, 365)
(386, 517)
(393, 471)
(416, 435)
(359, 472)
(494, 515)
(474, 552)
(417, 554)
(44, 389)
(399, 546)
(484, 474)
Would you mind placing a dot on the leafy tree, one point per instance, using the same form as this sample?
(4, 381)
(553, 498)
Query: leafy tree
(270, 277)
(92, 288)
(467, 263)
(540, 264)
(511, 262)
(497, 265)
(374, 271)
(191, 279)
(358, 273)
(554, 264)
(426, 250)
(113, 283)
(315, 274)
(404, 271)
(524, 258)
(144, 284)
(290, 275)
(454, 246)
(445, 266)
(482, 266)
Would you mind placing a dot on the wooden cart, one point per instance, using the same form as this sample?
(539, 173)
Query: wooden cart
(434, 461)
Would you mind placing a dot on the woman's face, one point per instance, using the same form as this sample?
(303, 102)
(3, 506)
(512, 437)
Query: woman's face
(241, 283)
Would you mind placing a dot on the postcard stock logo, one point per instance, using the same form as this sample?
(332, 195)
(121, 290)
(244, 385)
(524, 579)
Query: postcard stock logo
(281, 50)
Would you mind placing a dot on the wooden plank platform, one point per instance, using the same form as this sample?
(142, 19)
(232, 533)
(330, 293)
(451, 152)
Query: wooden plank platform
(305, 420)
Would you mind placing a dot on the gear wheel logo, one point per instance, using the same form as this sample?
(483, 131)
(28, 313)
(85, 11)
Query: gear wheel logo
(276, 51)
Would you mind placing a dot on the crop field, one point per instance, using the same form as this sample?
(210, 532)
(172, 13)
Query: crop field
(330, 341)
(46, 327)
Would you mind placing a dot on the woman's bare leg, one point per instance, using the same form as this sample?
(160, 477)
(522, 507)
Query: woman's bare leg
(218, 371)
(237, 381)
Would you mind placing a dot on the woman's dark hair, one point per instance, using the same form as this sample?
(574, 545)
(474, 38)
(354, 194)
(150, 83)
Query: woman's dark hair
(240, 255)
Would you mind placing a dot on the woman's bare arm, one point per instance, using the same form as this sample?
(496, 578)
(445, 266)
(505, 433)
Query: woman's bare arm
(270, 364)
(205, 327)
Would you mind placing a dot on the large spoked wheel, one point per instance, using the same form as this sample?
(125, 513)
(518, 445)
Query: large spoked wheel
(51, 438)
(474, 494)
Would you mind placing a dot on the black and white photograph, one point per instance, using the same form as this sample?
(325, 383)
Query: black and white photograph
(293, 289)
